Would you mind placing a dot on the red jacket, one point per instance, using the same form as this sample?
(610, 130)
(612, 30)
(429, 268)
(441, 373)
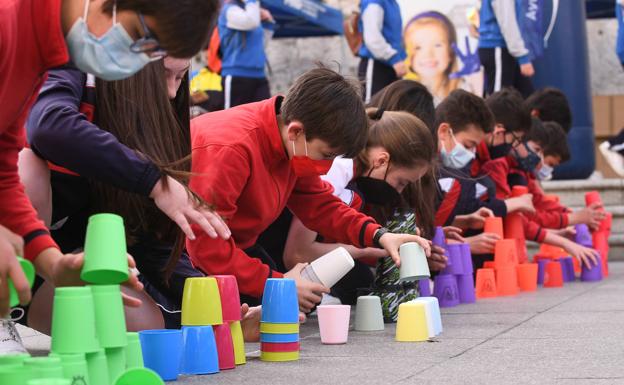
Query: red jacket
(31, 42)
(482, 157)
(240, 166)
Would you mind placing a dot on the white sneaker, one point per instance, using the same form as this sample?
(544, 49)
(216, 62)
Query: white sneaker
(10, 341)
(613, 158)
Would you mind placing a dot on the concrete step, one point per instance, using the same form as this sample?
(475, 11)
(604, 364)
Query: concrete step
(572, 192)
(616, 250)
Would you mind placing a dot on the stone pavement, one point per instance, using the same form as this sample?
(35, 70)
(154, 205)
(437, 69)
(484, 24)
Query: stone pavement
(570, 335)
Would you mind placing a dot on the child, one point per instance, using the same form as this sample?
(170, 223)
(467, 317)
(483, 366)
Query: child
(382, 52)
(550, 104)
(502, 48)
(242, 44)
(429, 39)
(252, 161)
(36, 36)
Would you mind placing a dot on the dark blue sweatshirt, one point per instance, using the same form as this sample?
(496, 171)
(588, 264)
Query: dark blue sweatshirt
(60, 133)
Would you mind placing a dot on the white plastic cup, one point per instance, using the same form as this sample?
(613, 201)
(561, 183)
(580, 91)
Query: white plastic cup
(331, 267)
(413, 263)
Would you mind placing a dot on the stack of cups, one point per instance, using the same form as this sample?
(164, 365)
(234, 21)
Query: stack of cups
(505, 262)
(600, 237)
(279, 326)
(445, 284)
(207, 345)
(412, 323)
(584, 238)
(514, 228)
(230, 306)
(432, 312)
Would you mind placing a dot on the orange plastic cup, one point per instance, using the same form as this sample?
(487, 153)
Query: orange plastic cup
(547, 251)
(553, 276)
(518, 191)
(486, 284)
(592, 197)
(494, 225)
(551, 198)
(505, 253)
(489, 265)
(507, 280)
(514, 227)
(527, 276)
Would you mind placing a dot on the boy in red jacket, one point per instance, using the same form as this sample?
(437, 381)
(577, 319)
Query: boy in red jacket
(253, 160)
(38, 35)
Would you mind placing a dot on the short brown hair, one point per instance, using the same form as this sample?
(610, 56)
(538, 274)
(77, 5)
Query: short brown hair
(183, 25)
(551, 105)
(509, 110)
(462, 109)
(330, 108)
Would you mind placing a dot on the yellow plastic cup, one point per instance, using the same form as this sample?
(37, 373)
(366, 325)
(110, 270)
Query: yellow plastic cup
(279, 356)
(271, 328)
(412, 323)
(201, 302)
(239, 343)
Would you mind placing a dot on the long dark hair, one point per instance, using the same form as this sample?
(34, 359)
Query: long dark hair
(139, 113)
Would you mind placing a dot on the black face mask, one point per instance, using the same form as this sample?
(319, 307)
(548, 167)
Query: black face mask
(377, 191)
(500, 150)
(529, 162)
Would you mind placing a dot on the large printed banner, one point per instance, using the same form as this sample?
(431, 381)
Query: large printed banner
(441, 39)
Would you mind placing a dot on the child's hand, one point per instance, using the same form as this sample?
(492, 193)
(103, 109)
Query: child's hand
(585, 255)
(568, 232)
(591, 216)
(392, 242)
(400, 69)
(527, 70)
(523, 203)
(454, 233)
(474, 221)
(11, 245)
(437, 261)
(483, 243)
(309, 293)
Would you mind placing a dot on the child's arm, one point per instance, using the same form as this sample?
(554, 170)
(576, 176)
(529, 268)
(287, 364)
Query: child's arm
(245, 18)
(591, 216)
(583, 254)
(35, 176)
(505, 12)
(372, 22)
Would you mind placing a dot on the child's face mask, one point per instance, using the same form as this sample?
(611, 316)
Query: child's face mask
(304, 166)
(458, 157)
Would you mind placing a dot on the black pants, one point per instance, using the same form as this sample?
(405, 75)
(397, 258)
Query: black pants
(239, 90)
(375, 75)
(502, 70)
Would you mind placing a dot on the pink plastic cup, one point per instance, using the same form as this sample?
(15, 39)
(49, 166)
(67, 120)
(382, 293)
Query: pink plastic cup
(225, 346)
(334, 323)
(230, 299)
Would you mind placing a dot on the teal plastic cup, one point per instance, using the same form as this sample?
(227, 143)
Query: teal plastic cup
(50, 381)
(15, 375)
(110, 320)
(134, 354)
(105, 258)
(98, 368)
(116, 360)
(75, 368)
(29, 272)
(44, 367)
(13, 359)
(73, 321)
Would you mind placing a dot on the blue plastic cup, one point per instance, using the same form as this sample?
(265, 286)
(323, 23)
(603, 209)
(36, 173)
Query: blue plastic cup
(424, 287)
(541, 268)
(466, 287)
(592, 274)
(279, 338)
(200, 350)
(567, 268)
(455, 260)
(279, 302)
(466, 257)
(162, 351)
(445, 290)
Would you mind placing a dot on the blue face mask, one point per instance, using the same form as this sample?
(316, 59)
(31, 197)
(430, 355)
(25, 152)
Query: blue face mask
(545, 172)
(459, 156)
(529, 162)
(108, 57)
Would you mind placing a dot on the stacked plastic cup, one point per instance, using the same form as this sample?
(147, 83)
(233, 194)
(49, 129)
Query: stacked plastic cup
(600, 237)
(445, 284)
(230, 307)
(465, 281)
(279, 326)
(203, 327)
(505, 262)
(514, 228)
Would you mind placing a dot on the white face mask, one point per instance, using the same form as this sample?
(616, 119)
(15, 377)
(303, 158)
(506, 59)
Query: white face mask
(108, 57)
(545, 172)
(459, 156)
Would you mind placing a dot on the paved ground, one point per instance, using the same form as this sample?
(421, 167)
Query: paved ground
(570, 335)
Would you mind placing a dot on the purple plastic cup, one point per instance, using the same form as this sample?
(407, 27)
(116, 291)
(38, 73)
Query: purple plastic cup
(440, 240)
(424, 287)
(583, 236)
(541, 268)
(567, 268)
(465, 284)
(445, 290)
(455, 257)
(592, 274)
(466, 259)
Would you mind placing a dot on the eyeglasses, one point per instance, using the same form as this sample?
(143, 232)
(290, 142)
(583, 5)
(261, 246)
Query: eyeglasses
(147, 44)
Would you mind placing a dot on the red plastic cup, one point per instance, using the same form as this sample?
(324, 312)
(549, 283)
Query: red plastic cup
(518, 191)
(486, 284)
(494, 225)
(489, 265)
(225, 346)
(230, 299)
(592, 197)
(514, 226)
(553, 276)
(505, 253)
(287, 347)
(507, 280)
(527, 276)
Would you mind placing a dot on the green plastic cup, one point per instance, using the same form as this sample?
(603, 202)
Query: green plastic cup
(13, 359)
(51, 381)
(110, 321)
(134, 354)
(116, 360)
(75, 368)
(98, 368)
(15, 375)
(136, 376)
(73, 321)
(29, 271)
(106, 261)
(44, 367)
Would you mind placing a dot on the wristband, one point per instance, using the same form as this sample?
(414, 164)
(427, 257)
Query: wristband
(378, 235)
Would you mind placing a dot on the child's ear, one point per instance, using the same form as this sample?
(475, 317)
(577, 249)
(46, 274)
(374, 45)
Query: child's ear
(294, 130)
(444, 131)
